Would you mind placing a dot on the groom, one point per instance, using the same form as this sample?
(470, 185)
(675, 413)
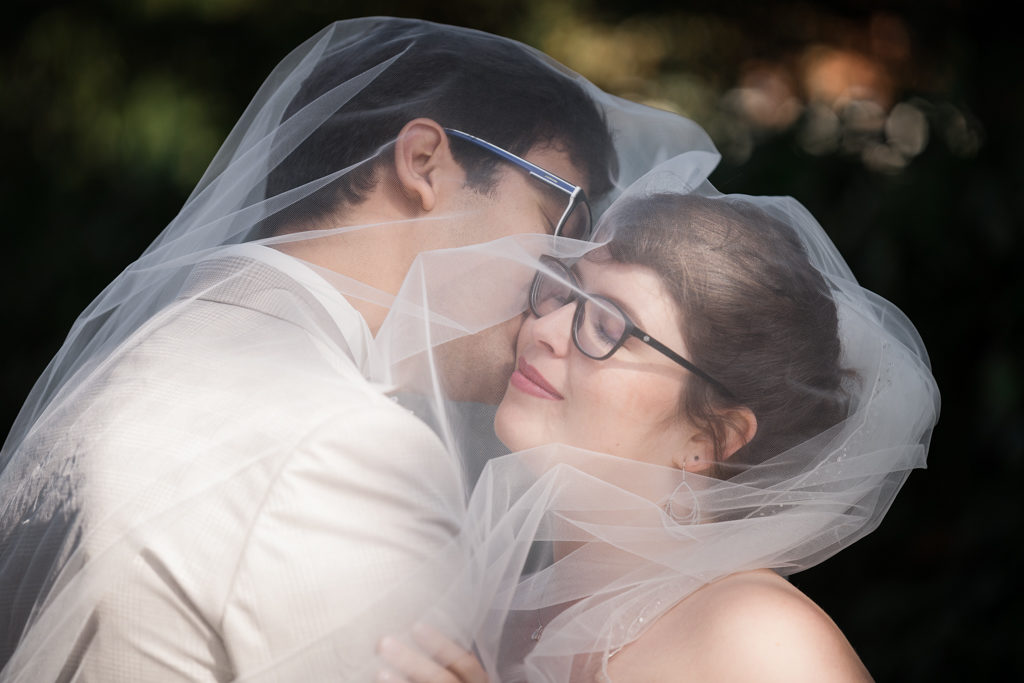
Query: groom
(337, 496)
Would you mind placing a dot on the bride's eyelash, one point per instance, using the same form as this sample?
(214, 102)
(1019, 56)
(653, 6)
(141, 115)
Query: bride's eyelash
(605, 336)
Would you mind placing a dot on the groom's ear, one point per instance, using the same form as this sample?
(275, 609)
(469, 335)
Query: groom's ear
(423, 161)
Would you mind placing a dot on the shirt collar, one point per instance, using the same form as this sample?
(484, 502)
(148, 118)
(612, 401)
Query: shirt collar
(349, 321)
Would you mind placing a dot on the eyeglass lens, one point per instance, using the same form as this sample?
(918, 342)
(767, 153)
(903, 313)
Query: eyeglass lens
(577, 222)
(598, 326)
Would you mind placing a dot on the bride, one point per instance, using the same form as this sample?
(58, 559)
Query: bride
(701, 406)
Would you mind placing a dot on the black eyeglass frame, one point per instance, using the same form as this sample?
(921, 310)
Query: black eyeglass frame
(576, 194)
(630, 330)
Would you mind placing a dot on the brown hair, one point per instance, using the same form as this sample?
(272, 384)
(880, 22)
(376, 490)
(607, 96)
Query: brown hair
(491, 87)
(755, 315)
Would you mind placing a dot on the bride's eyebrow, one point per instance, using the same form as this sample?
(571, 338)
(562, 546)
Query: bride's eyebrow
(626, 308)
(630, 313)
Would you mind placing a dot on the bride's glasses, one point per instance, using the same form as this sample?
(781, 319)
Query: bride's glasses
(576, 220)
(599, 325)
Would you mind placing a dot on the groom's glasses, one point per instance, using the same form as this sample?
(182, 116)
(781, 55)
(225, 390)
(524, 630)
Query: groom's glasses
(599, 325)
(576, 219)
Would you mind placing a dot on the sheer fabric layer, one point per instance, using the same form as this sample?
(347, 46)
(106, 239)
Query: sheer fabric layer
(569, 554)
(223, 474)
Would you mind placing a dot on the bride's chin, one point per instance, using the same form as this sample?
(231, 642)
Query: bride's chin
(505, 428)
(501, 429)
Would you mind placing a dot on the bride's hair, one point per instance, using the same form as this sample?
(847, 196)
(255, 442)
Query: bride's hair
(755, 315)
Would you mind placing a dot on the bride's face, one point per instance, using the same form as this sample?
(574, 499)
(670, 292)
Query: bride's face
(626, 405)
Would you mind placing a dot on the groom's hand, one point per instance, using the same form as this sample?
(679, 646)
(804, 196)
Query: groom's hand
(433, 659)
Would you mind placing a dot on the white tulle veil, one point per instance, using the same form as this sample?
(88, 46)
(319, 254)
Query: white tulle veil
(77, 516)
(645, 536)
(642, 537)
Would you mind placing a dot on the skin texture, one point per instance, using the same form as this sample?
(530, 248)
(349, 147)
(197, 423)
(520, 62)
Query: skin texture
(422, 204)
(749, 626)
(428, 657)
(623, 405)
(626, 405)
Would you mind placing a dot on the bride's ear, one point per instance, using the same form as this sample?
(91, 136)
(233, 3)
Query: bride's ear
(740, 427)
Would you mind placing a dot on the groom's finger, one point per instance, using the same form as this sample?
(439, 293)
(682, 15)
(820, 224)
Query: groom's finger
(412, 664)
(449, 654)
(389, 676)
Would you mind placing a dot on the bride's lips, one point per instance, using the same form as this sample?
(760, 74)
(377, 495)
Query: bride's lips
(528, 380)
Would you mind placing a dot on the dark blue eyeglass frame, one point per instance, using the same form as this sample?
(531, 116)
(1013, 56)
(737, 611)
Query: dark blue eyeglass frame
(577, 197)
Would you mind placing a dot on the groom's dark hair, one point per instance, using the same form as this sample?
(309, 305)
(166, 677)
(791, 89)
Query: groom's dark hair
(488, 86)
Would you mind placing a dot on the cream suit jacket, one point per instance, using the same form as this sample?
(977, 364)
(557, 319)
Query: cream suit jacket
(244, 503)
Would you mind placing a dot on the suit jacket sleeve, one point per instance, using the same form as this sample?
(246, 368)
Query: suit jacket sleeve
(345, 546)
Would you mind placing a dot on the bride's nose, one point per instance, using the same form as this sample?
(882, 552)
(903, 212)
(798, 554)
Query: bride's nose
(554, 329)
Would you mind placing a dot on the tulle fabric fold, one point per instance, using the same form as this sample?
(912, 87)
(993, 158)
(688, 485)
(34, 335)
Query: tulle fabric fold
(571, 554)
(545, 562)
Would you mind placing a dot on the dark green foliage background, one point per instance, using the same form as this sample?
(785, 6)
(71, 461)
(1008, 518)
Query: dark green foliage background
(95, 163)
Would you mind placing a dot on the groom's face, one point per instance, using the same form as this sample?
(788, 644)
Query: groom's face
(477, 367)
(521, 203)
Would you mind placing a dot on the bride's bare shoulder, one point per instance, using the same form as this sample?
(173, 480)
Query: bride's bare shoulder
(749, 626)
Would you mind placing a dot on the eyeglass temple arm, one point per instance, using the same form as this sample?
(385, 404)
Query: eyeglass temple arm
(657, 345)
(531, 168)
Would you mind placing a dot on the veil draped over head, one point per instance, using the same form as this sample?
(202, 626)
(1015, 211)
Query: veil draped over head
(138, 456)
(568, 554)
(191, 488)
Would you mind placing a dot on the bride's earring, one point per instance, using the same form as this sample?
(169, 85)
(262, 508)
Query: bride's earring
(694, 514)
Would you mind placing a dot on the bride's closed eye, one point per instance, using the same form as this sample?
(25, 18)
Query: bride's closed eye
(606, 334)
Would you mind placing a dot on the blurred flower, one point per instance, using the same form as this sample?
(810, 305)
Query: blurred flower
(837, 77)
(906, 129)
(838, 87)
(766, 97)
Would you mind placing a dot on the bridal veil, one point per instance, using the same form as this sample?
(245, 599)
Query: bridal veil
(569, 555)
(644, 537)
(156, 436)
